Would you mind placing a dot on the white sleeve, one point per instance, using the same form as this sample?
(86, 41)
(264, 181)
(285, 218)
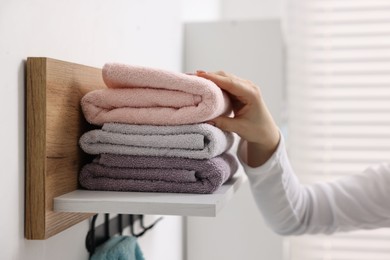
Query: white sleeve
(360, 201)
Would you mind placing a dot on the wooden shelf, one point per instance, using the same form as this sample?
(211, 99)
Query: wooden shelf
(206, 205)
(54, 124)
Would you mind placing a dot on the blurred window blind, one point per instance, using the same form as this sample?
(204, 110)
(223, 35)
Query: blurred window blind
(338, 78)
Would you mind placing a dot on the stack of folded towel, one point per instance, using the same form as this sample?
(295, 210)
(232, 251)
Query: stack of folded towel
(152, 137)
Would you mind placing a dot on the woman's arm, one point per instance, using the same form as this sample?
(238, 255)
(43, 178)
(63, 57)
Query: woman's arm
(360, 201)
(353, 202)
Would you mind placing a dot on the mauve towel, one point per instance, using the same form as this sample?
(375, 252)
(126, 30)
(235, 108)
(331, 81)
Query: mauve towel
(142, 95)
(112, 172)
(198, 141)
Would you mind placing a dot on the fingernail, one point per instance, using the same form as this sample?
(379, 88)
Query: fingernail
(201, 72)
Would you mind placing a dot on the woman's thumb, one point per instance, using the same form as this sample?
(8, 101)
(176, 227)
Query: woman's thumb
(225, 123)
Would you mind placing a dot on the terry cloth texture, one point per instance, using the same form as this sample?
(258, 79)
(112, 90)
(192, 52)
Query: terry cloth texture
(142, 95)
(119, 247)
(111, 172)
(198, 141)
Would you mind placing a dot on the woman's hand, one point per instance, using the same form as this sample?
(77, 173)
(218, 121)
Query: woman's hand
(252, 120)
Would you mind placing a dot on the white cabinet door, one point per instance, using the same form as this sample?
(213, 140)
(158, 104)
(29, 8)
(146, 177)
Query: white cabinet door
(251, 50)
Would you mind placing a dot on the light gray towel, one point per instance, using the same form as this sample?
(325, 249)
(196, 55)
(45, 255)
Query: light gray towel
(198, 141)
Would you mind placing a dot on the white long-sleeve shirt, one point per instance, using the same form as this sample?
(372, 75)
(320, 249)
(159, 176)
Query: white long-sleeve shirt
(360, 201)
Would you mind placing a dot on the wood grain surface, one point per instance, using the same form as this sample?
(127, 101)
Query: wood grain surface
(54, 123)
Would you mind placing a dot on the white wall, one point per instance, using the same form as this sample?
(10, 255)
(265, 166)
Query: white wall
(252, 50)
(216, 10)
(201, 10)
(250, 9)
(92, 32)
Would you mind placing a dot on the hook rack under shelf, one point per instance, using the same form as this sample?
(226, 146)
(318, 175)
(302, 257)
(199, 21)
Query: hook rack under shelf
(97, 235)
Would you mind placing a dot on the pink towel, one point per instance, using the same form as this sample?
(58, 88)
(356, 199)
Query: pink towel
(141, 95)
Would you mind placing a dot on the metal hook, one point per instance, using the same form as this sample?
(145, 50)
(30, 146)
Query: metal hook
(120, 225)
(145, 229)
(90, 242)
(131, 219)
(150, 226)
(107, 226)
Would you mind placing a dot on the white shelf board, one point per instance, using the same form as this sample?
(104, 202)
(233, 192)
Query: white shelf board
(181, 204)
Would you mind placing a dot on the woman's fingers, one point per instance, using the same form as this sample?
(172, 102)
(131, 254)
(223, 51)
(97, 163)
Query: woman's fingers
(223, 73)
(226, 82)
